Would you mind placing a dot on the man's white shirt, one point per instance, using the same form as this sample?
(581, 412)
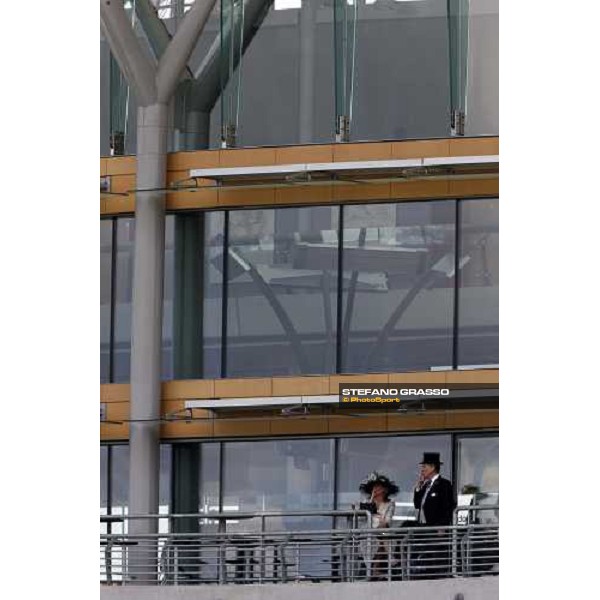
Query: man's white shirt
(429, 485)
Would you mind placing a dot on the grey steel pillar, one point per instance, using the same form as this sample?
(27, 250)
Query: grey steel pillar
(197, 130)
(146, 337)
(154, 84)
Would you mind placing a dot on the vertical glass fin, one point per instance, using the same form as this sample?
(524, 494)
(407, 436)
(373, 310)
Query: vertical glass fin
(232, 41)
(458, 37)
(345, 16)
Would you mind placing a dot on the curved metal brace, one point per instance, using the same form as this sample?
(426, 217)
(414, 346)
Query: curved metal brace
(397, 314)
(283, 317)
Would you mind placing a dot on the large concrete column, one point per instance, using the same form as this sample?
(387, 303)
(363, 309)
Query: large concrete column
(307, 32)
(146, 335)
(154, 84)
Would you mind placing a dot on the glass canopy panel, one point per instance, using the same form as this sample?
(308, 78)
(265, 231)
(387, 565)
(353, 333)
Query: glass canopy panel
(482, 69)
(400, 81)
(284, 79)
(458, 36)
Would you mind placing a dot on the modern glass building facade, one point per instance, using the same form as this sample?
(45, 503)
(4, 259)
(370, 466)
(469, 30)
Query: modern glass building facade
(287, 288)
(296, 474)
(355, 288)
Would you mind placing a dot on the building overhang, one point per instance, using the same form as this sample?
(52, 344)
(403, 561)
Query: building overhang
(373, 171)
(459, 396)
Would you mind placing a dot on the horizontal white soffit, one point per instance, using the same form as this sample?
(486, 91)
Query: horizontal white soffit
(345, 167)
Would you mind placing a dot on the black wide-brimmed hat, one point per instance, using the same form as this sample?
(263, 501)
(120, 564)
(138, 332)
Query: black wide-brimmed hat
(366, 485)
(431, 458)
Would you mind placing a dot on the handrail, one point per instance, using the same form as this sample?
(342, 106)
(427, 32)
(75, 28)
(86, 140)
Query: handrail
(259, 555)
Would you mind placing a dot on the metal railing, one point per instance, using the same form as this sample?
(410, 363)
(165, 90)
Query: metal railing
(347, 552)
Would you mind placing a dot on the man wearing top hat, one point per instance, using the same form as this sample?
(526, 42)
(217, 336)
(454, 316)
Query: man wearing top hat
(434, 500)
(433, 496)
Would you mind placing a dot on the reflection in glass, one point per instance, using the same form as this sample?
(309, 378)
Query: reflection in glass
(397, 457)
(168, 299)
(106, 238)
(123, 294)
(214, 223)
(277, 475)
(282, 275)
(478, 300)
(164, 481)
(103, 479)
(478, 474)
(210, 488)
(119, 479)
(397, 303)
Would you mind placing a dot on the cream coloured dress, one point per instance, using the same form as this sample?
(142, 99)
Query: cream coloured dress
(381, 519)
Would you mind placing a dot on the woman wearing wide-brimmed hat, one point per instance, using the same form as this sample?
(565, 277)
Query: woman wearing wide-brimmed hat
(379, 489)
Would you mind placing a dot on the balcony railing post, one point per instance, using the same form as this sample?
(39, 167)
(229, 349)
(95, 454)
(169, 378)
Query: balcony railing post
(454, 551)
(176, 559)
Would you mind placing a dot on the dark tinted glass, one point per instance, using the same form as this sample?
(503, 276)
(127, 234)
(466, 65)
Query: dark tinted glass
(168, 299)
(286, 73)
(122, 308)
(103, 478)
(212, 317)
(402, 87)
(398, 262)
(396, 457)
(119, 479)
(278, 475)
(106, 227)
(164, 483)
(282, 277)
(478, 475)
(478, 299)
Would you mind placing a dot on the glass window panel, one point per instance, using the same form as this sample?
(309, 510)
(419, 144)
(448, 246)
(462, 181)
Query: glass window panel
(103, 479)
(287, 73)
(164, 483)
(210, 488)
(282, 277)
(214, 223)
(397, 457)
(119, 479)
(478, 300)
(401, 52)
(482, 65)
(278, 475)
(398, 296)
(106, 236)
(168, 294)
(285, 475)
(123, 291)
(478, 473)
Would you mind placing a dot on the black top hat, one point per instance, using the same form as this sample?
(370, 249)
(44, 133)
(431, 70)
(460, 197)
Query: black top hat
(431, 458)
(366, 485)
